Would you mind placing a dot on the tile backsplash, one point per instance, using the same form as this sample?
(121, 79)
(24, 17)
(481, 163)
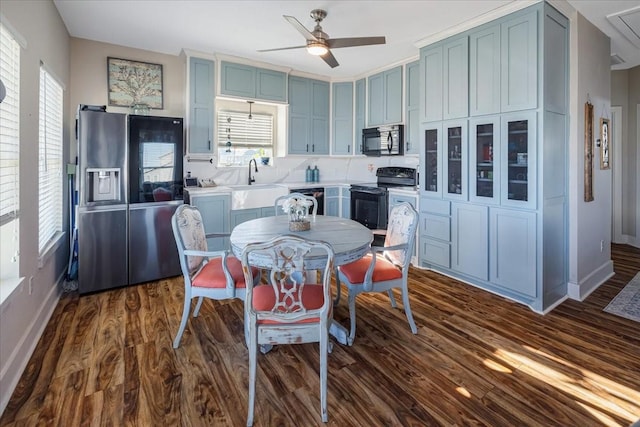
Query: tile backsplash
(292, 169)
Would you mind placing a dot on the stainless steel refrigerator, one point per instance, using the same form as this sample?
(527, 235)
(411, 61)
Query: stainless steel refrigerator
(155, 192)
(130, 183)
(102, 202)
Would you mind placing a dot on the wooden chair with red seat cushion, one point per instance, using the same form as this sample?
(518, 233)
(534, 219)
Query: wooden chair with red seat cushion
(210, 274)
(287, 310)
(386, 267)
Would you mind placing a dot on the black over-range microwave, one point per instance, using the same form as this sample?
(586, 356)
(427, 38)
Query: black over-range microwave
(383, 141)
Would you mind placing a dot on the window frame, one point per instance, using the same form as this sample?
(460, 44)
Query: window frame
(10, 54)
(264, 114)
(50, 162)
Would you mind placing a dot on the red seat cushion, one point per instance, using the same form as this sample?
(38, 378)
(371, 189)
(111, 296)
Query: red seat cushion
(384, 270)
(212, 276)
(264, 298)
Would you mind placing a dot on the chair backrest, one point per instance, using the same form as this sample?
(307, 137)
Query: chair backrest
(287, 279)
(189, 233)
(401, 229)
(295, 196)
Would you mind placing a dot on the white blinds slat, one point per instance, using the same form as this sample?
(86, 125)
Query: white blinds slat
(50, 159)
(9, 126)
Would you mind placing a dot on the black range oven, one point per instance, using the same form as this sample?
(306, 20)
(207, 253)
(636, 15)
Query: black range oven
(370, 202)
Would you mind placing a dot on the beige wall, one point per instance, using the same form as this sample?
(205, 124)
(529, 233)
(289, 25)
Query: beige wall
(25, 312)
(589, 222)
(89, 77)
(625, 93)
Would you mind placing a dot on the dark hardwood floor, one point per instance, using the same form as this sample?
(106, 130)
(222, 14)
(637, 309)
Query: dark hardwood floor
(478, 359)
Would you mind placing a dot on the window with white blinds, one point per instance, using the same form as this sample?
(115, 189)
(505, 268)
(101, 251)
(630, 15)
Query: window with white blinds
(240, 138)
(9, 157)
(50, 196)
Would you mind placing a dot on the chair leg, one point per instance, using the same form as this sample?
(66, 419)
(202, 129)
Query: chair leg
(392, 298)
(352, 317)
(197, 310)
(183, 322)
(407, 310)
(324, 342)
(253, 360)
(338, 288)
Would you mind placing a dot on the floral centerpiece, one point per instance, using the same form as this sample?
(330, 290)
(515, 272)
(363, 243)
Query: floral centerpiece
(298, 211)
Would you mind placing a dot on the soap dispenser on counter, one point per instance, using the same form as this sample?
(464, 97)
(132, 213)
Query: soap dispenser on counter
(316, 174)
(309, 175)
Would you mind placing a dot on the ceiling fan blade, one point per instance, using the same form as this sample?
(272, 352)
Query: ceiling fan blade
(330, 59)
(282, 48)
(301, 28)
(355, 41)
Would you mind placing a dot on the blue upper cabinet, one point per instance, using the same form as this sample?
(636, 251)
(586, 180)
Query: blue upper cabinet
(385, 97)
(431, 83)
(245, 81)
(342, 118)
(519, 62)
(271, 85)
(412, 96)
(308, 116)
(444, 79)
(201, 96)
(484, 71)
(393, 95)
(237, 80)
(360, 115)
(455, 98)
(375, 86)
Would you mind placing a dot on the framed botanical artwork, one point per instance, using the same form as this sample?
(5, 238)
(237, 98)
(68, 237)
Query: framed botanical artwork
(588, 152)
(134, 83)
(605, 144)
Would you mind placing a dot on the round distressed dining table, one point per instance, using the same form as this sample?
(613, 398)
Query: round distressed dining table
(349, 239)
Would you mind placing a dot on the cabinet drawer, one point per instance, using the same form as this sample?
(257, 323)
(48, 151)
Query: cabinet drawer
(394, 200)
(435, 252)
(438, 227)
(440, 207)
(331, 192)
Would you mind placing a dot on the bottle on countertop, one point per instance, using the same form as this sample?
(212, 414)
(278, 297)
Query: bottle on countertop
(309, 175)
(316, 174)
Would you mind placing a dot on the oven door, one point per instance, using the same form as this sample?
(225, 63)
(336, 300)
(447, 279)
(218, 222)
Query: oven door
(369, 207)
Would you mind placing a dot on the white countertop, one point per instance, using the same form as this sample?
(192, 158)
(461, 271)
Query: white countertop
(290, 185)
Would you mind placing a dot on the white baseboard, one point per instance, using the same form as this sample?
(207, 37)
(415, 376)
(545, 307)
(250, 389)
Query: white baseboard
(626, 239)
(580, 291)
(19, 358)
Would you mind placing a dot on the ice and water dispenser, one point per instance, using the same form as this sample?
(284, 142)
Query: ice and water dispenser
(103, 185)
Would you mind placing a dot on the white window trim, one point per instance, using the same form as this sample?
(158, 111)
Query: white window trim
(12, 279)
(47, 247)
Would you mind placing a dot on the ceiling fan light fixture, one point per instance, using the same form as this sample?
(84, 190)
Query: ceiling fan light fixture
(317, 49)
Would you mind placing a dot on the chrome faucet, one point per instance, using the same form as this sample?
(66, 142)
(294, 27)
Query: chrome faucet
(256, 166)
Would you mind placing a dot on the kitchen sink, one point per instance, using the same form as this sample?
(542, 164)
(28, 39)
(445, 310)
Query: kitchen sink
(256, 195)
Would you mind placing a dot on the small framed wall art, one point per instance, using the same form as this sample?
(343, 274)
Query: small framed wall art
(134, 83)
(605, 144)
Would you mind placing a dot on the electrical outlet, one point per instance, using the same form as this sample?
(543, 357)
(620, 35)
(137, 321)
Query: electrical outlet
(601, 245)
(30, 285)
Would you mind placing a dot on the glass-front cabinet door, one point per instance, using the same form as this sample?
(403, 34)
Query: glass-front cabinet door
(484, 137)
(519, 159)
(455, 171)
(432, 164)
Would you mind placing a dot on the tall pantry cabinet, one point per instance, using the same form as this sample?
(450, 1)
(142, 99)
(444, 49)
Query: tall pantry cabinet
(493, 150)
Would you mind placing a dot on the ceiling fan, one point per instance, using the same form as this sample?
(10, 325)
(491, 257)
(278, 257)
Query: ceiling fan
(319, 43)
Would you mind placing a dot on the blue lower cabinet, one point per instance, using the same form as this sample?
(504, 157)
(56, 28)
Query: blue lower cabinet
(513, 250)
(214, 210)
(470, 240)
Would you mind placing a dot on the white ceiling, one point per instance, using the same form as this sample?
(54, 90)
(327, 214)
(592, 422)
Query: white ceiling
(239, 28)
